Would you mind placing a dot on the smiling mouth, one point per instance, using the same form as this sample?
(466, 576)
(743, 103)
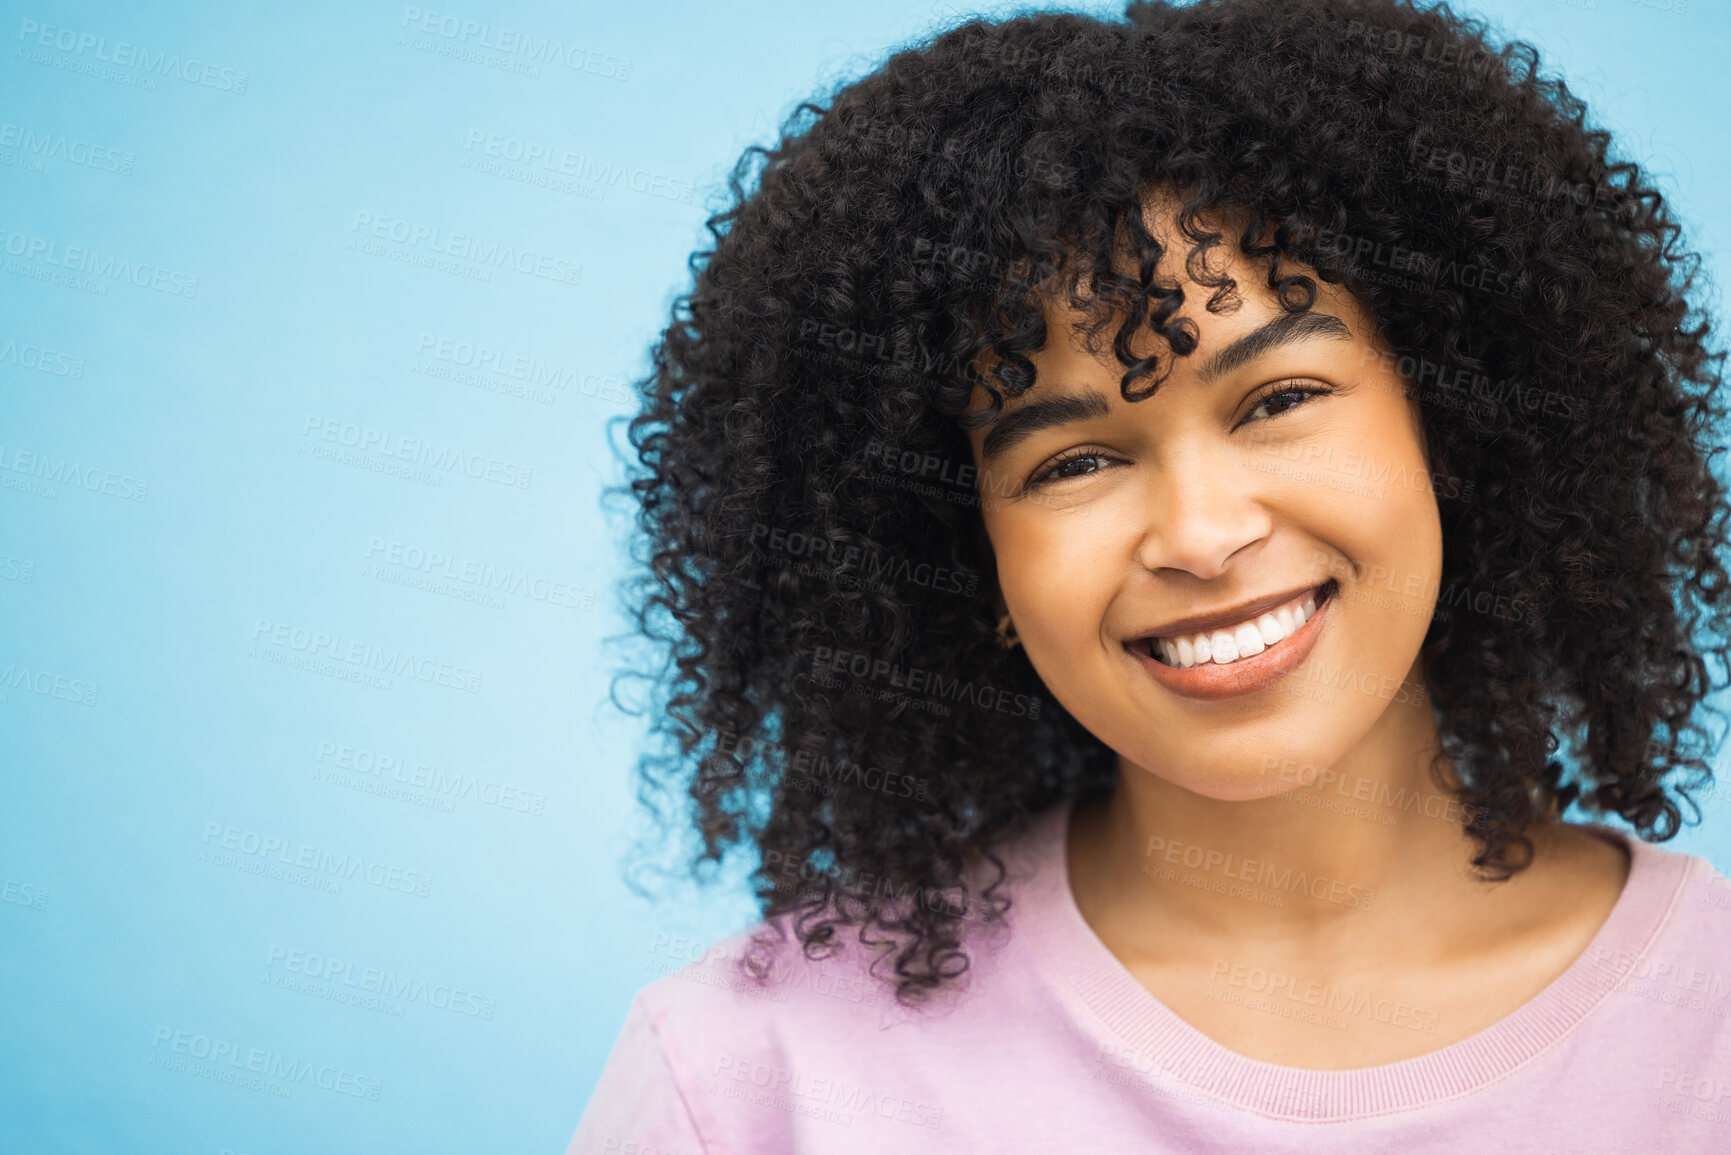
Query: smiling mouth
(1235, 643)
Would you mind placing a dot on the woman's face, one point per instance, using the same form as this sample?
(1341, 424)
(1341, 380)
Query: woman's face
(1278, 462)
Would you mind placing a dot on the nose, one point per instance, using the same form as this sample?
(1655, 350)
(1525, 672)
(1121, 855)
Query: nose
(1200, 514)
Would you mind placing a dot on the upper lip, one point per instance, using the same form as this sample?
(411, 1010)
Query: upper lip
(1231, 615)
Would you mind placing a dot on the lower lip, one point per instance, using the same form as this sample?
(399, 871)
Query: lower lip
(1211, 682)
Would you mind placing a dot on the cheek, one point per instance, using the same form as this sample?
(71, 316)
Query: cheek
(1389, 519)
(1383, 516)
(1059, 573)
(1398, 505)
(1368, 481)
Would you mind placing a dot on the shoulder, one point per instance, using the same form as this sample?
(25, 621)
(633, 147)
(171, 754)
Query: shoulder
(764, 985)
(1673, 957)
(762, 975)
(1703, 901)
(759, 1039)
(1696, 893)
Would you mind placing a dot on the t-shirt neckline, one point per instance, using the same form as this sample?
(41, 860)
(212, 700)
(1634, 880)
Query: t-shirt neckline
(1153, 1038)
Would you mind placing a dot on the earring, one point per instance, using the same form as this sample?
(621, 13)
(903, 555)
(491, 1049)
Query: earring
(1006, 633)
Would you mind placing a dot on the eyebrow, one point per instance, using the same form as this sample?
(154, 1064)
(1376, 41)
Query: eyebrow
(1022, 423)
(1283, 330)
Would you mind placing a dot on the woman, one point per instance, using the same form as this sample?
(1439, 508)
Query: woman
(1154, 524)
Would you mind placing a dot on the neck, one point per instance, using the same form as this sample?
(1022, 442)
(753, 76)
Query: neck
(1309, 859)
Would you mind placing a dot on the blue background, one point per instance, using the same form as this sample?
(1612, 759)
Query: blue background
(166, 596)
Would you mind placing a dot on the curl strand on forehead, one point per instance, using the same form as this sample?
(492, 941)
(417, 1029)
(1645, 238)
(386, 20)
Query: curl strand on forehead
(1135, 289)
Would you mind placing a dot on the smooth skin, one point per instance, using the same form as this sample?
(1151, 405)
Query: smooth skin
(1298, 463)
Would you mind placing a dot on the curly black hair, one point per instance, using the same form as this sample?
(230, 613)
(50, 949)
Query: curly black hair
(812, 571)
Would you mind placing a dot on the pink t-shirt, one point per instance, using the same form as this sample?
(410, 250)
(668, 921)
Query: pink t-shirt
(1049, 1045)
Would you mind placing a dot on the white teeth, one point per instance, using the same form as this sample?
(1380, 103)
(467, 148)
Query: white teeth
(1245, 640)
(1225, 647)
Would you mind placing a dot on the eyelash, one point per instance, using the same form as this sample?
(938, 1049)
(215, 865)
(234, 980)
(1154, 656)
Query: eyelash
(1287, 388)
(1045, 474)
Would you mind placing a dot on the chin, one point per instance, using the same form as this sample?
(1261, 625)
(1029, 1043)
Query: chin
(1233, 792)
(1238, 781)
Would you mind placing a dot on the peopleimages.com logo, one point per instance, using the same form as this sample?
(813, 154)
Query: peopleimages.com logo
(231, 1062)
(898, 681)
(280, 640)
(132, 64)
(351, 978)
(317, 860)
(48, 684)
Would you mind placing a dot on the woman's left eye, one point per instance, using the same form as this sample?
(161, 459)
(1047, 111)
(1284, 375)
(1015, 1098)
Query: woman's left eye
(1284, 399)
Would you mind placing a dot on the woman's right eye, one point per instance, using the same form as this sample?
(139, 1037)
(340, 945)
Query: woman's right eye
(1060, 467)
